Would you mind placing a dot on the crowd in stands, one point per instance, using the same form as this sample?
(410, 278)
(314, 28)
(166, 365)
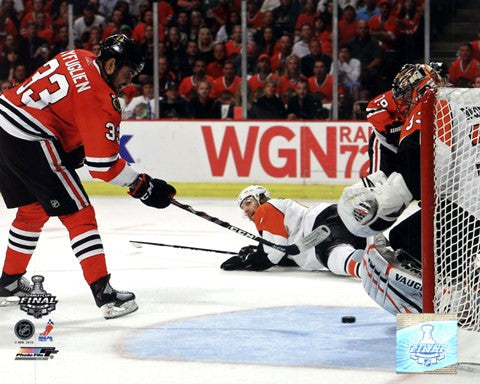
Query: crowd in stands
(289, 51)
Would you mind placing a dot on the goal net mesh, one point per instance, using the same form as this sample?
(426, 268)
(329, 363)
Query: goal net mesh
(457, 204)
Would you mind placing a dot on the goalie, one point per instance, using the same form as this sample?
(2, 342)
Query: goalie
(391, 275)
(284, 222)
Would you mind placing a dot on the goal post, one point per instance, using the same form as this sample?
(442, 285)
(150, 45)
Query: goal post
(450, 163)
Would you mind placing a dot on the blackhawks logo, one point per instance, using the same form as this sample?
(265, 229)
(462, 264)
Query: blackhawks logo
(116, 103)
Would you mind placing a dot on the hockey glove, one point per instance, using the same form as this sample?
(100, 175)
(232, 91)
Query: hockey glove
(250, 258)
(367, 210)
(152, 192)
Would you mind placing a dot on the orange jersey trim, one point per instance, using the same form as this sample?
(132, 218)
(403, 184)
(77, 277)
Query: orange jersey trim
(270, 219)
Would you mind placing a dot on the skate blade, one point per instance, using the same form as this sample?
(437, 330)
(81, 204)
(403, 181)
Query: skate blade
(9, 301)
(110, 311)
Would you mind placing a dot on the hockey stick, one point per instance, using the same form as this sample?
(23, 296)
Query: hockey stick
(318, 235)
(138, 245)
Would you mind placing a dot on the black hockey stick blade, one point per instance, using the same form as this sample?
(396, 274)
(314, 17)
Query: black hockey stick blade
(137, 243)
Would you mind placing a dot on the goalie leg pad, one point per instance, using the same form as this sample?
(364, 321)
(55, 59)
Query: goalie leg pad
(394, 288)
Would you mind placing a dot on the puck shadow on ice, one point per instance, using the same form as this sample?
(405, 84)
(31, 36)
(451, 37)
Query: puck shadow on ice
(307, 336)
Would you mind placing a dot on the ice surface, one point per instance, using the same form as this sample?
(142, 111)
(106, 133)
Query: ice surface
(197, 323)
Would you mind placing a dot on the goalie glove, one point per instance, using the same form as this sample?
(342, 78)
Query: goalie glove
(374, 204)
(250, 258)
(393, 286)
(152, 192)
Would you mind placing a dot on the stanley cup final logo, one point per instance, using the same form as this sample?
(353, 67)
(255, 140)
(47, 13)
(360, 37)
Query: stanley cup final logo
(38, 303)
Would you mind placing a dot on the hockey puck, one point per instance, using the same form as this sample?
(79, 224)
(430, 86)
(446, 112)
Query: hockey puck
(348, 319)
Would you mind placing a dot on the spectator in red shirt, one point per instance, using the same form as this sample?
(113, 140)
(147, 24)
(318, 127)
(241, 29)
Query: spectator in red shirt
(409, 17)
(61, 16)
(322, 82)
(277, 61)
(215, 68)
(289, 78)
(256, 83)
(465, 66)
(323, 35)
(44, 31)
(37, 7)
(307, 16)
(254, 16)
(347, 25)
(165, 13)
(234, 46)
(229, 82)
(218, 15)
(384, 27)
(188, 86)
(138, 33)
(476, 47)
(8, 7)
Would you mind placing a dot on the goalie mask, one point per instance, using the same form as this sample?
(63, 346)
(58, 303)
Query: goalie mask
(411, 83)
(255, 191)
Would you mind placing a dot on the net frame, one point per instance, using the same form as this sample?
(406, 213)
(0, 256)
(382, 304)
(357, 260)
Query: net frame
(450, 172)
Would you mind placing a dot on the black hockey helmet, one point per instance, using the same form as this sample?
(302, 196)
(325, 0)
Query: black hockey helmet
(124, 50)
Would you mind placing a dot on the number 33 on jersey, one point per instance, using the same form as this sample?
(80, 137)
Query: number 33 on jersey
(67, 99)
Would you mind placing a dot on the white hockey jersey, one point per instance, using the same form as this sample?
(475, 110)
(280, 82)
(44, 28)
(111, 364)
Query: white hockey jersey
(285, 222)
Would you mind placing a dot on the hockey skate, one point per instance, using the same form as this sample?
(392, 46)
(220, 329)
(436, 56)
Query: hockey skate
(12, 288)
(111, 302)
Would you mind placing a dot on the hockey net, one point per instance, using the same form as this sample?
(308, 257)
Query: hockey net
(451, 204)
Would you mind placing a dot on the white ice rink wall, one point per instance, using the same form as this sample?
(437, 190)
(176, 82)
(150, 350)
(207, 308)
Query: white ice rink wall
(288, 152)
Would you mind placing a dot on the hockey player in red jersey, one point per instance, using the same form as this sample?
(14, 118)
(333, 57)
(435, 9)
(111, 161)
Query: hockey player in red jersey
(284, 221)
(66, 114)
(387, 116)
(388, 111)
(374, 204)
